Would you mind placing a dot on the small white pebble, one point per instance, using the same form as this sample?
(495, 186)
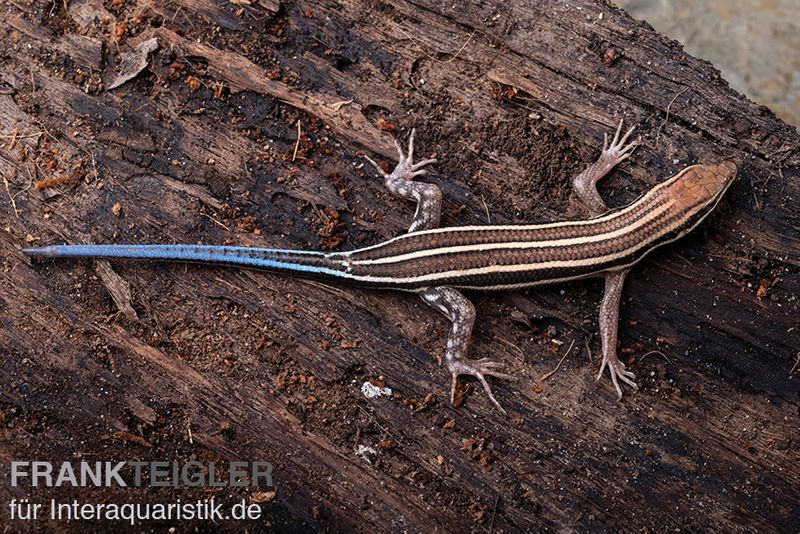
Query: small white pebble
(366, 453)
(371, 391)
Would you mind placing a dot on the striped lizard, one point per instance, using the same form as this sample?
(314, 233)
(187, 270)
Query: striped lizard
(437, 263)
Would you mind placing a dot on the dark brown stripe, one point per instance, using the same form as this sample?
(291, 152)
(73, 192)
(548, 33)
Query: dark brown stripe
(490, 234)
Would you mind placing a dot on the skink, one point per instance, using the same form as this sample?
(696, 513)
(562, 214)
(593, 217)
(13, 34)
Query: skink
(438, 262)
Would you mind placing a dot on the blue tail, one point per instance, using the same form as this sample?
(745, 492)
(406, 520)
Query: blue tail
(298, 262)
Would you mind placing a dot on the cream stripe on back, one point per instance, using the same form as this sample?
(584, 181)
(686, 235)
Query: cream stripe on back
(647, 218)
(432, 278)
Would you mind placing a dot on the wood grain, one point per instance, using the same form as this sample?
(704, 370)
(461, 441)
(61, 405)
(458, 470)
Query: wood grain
(512, 98)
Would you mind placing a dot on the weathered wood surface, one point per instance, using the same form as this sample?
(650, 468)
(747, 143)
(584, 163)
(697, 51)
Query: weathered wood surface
(513, 100)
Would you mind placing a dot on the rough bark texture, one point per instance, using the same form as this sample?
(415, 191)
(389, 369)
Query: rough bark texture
(172, 362)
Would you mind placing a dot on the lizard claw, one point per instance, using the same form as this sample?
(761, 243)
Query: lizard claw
(479, 369)
(406, 169)
(619, 149)
(375, 164)
(617, 370)
(585, 184)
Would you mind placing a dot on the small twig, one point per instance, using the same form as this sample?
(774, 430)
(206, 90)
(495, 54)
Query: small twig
(666, 118)
(8, 188)
(44, 128)
(176, 14)
(432, 57)
(551, 373)
(18, 193)
(323, 43)
(796, 364)
(11, 197)
(758, 203)
(321, 215)
(505, 342)
(336, 106)
(13, 139)
(656, 352)
(461, 49)
(485, 207)
(94, 166)
(36, 172)
(15, 136)
(297, 145)
(212, 219)
(189, 430)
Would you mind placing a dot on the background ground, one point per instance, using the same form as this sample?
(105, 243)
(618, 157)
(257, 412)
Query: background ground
(153, 362)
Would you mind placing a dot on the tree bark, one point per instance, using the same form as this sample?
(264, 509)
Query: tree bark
(172, 362)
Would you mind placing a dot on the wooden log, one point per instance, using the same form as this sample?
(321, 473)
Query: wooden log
(171, 362)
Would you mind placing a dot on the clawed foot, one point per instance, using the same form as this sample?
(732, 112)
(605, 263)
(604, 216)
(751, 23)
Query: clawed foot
(618, 151)
(406, 168)
(479, 369)
(585, 184)
(617, 370)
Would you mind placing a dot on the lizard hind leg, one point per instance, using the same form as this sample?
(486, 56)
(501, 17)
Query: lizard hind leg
(609, 322)
(400, 182)
(461, 313)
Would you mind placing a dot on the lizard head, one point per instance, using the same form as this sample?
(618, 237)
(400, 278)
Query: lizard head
(700, 186)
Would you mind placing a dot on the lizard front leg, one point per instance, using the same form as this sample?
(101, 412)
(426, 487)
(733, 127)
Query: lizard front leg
(585, 187)
(400, 182)
(461, 313)
(585, 184)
